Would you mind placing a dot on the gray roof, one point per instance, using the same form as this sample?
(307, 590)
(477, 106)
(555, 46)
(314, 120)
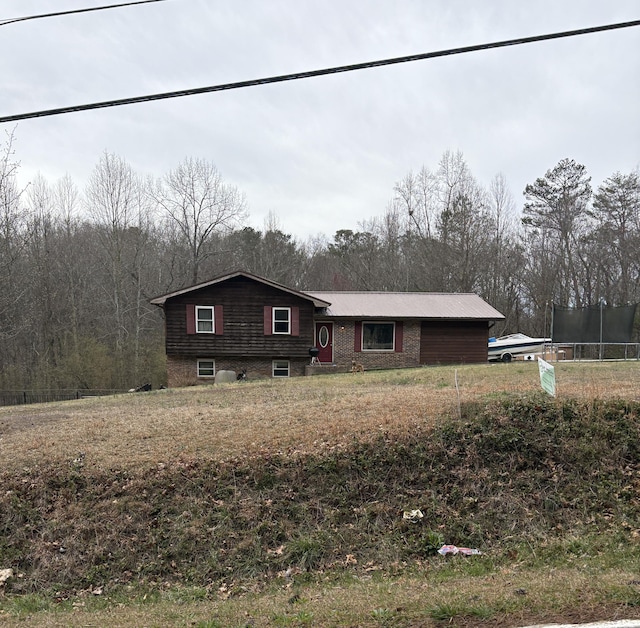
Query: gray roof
(432, 305)
(372, 305)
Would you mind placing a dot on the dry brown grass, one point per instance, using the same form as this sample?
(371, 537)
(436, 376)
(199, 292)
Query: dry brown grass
(139, 431)
(291, 416)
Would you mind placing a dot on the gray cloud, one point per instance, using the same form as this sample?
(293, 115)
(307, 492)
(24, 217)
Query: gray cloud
(323, 154)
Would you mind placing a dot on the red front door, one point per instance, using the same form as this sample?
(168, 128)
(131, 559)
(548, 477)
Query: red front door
(324, 342)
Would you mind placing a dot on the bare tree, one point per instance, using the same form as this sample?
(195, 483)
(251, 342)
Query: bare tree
(503, 275)
(503, 209)
(463, 225)
(110, 197)
(198, 204)
(416, 196)
(72, 266)
(14, 238)
(120, 204)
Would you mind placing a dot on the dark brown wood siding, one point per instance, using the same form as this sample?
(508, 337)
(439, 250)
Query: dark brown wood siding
(453, 342)
(243, 301)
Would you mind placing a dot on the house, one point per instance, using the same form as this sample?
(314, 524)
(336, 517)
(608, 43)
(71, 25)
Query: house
(242, 321)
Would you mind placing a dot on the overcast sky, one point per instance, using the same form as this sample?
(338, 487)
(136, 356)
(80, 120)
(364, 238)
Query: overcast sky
(324, 153)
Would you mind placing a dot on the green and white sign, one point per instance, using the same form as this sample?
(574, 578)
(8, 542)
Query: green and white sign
(547, 377)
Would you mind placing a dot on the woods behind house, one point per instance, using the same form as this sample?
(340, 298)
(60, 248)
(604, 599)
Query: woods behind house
(78, 266)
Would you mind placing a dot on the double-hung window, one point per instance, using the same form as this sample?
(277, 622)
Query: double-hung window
(281, 320)
(205, 319)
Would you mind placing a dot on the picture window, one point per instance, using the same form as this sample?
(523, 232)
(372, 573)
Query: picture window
(378, 336)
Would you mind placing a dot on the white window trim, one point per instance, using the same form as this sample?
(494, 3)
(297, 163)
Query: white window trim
(324, 327)
(378, 323)
(273, 368)
(273, 320)
(198, 368)
(213, 319)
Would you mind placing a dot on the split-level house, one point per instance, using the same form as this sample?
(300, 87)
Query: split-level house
(242, 321)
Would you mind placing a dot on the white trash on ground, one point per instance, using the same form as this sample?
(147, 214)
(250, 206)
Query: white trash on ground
(452, 549)
(413, 515)
(5, 574)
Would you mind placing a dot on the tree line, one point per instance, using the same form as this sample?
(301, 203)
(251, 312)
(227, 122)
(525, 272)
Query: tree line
(79, 266)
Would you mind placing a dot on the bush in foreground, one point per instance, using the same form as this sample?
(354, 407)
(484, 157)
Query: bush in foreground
(509, 472)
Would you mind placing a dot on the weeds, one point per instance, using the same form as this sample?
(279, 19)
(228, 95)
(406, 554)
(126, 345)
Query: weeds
(308, 552)
(531, 481)
(510, 471)
(448, 611)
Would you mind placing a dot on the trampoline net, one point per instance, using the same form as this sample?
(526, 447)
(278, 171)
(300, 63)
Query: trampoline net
(585, 324)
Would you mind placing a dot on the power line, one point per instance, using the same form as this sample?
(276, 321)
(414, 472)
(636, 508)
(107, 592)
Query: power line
(107, 6)
(314, 73)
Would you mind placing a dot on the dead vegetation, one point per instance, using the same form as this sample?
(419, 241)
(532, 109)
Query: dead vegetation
(237, 489)
(299, 415)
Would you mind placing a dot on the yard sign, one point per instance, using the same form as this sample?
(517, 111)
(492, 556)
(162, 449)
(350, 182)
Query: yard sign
(547, 377)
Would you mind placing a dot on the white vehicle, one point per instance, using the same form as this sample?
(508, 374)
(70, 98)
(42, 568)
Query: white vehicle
(506, 347)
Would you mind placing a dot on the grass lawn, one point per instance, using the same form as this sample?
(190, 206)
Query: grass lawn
(295, 416)
(279, 502)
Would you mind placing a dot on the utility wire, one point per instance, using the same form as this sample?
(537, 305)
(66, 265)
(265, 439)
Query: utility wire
(313, 73)
(107, 6)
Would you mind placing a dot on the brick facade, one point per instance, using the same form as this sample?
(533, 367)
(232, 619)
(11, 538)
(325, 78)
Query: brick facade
(344, 348)
(183, 371)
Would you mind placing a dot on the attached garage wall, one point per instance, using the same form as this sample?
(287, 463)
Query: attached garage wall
(454, 342)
